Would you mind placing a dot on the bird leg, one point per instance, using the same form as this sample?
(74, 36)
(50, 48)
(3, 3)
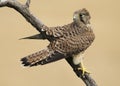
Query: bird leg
(82, 67)
(78, 61)
(86, 78)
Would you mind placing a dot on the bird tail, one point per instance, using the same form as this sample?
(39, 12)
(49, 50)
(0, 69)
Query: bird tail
(42, 57)
(34, 58)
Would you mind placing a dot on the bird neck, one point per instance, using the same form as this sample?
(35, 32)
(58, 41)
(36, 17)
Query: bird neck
(82, 26)
(79, 24)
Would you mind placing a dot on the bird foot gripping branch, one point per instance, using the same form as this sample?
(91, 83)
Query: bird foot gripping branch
(83, 69)
(65, 41)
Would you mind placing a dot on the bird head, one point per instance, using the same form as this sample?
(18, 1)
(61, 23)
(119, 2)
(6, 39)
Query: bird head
(82, 16)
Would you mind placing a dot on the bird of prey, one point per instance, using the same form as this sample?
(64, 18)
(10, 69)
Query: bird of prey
(66, 42)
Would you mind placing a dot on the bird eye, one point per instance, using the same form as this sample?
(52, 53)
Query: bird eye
(82, 15)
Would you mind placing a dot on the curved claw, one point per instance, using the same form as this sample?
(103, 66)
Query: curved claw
(83, 69)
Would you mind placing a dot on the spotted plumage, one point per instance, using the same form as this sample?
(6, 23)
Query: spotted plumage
(67, 41)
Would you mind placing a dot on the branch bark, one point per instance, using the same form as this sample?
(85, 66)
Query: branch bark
(87, 79)
(23, 9)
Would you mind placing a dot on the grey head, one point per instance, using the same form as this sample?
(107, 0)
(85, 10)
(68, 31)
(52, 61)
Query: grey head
(81, 16)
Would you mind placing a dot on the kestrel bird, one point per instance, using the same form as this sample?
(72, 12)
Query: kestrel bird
(66, 42)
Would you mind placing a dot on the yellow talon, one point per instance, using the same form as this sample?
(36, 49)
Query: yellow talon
(83, 69)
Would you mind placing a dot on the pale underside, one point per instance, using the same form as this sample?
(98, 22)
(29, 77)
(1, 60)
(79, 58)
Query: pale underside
(78, 58)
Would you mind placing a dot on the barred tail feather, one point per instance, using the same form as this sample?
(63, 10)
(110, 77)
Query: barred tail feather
(34, 58)
(42, 57)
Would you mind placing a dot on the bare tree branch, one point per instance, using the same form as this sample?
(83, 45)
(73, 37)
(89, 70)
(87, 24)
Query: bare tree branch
(35, 22)
(24, 11)
(87, 79)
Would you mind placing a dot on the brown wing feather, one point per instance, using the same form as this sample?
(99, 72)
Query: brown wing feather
(74, 44)
(58, 31)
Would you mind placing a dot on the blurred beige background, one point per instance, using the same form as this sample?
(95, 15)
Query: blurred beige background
(102, 58)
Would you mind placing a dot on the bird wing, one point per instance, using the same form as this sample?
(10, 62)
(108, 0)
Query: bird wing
(67, 43)
(56, 32)
(74, 44)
